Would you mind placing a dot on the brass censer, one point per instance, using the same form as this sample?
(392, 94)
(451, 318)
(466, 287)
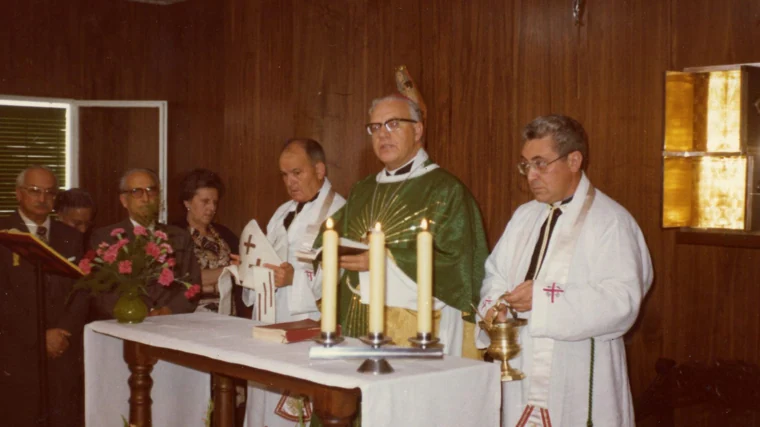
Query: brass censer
(505, 344)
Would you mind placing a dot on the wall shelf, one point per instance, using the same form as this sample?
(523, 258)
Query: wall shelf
(737, 239)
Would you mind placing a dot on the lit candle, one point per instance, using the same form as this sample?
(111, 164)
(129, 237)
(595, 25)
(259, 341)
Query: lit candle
(424, 280)
(329, 277)
(376, 280)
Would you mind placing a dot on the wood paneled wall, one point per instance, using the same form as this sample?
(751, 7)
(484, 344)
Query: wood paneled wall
(242, 76)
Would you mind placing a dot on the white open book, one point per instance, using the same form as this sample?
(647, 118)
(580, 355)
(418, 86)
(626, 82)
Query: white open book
(345, 247)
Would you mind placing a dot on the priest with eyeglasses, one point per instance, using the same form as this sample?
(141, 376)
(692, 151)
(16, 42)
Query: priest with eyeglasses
(138, 193)
(409, 189)
(574, 263)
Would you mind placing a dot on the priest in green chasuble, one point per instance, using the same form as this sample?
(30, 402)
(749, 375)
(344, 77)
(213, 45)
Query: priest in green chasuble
(409, 189)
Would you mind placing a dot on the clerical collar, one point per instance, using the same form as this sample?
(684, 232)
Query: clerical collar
(402, 170)
(32, 226)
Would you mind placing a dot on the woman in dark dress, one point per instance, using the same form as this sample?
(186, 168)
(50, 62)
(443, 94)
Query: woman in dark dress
(215, 245)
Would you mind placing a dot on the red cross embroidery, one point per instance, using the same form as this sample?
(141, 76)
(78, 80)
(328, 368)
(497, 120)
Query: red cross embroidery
(310, 274)
(553, 290)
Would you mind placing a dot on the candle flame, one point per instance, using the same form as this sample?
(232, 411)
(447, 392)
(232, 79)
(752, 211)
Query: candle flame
(424, 224)
(329, 223)
(378, 227)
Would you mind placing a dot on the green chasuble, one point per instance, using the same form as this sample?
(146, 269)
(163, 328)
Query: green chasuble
(460, 248)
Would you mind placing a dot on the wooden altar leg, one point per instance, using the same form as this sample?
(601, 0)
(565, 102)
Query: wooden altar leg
(336, 407)
(224, 401)
(140, 383)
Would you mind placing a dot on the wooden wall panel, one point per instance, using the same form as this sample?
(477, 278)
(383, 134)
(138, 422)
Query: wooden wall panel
(485, 69)
(115, 139)
(241, 76)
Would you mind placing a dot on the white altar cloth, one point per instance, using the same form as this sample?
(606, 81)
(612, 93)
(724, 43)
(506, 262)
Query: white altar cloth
(447, 392)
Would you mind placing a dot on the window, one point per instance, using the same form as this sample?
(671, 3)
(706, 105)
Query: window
(31, 134)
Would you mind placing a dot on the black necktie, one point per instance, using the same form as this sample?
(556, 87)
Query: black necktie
(42, 233)
(534, 261)
(292, 214)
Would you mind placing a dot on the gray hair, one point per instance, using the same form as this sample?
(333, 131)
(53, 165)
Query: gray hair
(123, 179)
(414, 110)
(567, 133)
(21, 177)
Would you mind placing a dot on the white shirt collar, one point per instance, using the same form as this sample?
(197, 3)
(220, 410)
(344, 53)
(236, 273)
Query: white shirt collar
(32, 226)
(137, 224)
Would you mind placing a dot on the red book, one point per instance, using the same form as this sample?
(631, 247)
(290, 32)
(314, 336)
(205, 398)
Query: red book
(287, 332)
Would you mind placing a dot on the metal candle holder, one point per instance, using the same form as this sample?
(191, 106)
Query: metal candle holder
(375, 365)
(329, 339)
(425, 340)
(376, 355)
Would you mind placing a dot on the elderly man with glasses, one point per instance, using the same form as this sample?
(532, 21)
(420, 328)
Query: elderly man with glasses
(412, 188)
(139, 192)
(574, 263)
(64, 314)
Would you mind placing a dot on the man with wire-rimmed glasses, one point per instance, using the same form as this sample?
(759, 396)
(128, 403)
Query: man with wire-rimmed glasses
(409, 189)
(64, 316)
(574, 263)
(139, 193)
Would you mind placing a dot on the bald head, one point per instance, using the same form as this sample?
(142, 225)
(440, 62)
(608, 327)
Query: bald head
(302, 167)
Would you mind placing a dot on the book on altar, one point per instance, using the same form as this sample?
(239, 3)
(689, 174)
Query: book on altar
(33, 249)
(345, 247)
(287, 332)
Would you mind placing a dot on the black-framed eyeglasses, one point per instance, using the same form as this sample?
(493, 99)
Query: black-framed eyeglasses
(390, 125)
(33, 190)
(138, 192)
(538, 165)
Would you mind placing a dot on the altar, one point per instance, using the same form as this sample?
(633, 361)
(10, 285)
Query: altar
(448, 392)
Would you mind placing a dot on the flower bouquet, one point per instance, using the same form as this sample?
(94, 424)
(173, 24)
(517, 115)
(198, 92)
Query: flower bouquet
(128, 266)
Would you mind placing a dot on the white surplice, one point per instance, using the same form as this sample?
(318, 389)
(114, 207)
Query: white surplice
(609, 273)
(295, 302)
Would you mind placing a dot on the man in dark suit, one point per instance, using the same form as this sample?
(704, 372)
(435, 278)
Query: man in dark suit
(65, 315)
(139, 190)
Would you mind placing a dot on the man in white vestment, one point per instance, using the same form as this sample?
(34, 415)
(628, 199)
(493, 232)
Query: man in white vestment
(293, 228)
(574, 263)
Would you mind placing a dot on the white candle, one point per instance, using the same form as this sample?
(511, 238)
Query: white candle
(376, 280)
(329, 277)
(424, 280)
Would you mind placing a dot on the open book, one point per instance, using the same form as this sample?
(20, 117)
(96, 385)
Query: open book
(345, 247)
(33, 249)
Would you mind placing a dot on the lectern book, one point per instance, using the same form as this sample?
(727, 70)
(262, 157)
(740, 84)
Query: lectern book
(33, 249)
(287, 332)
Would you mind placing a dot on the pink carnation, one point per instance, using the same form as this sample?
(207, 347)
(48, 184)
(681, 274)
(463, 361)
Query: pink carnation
(116, 231)
(103, 245)
(166, 278)
(192, 291)
(153, 250)
(85, 266)
(110, 255)
(171, 262)
(125, 267)
(140, 231)
(161, 235)
(161, 258)
(167, 247)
